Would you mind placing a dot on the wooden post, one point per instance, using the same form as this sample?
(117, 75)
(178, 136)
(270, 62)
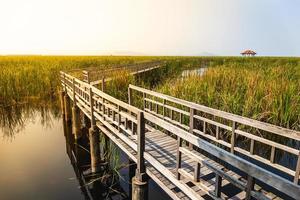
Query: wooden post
(204, 127)
(130, 103)
(65, 85)
(164, 109)
(144, 101)
(86, 121)
(94, 149)
(129, 96)
(76, 122)
(106, 147)
(141, 146)
(67, 104)
(131, 171)
(197, 172)
(252, 146)
(75, 115)
(87, 75)
(218, 185)
(94, 138)
(93, 122)
(192, 124)
(217, 132)
(178, 157)
(119, 118)
(272, 156)
(297, 172)
(139, 181)
(233, 137)
(103, 84)
(62, 103)
(249, 187)
(67, 108)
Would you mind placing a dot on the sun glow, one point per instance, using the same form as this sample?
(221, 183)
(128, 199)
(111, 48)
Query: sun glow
(170, 27)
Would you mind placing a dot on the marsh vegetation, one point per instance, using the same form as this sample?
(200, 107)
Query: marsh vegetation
(261, 88)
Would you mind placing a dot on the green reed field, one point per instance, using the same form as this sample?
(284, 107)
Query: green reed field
(266, 89)
(26, 78)
(262, 88)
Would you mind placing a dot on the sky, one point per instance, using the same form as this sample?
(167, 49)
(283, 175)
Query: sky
(150, 27)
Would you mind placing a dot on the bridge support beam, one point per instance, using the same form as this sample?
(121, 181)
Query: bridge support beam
(106, 149)
(94, 149)
(62, 103)
(86, 124)
(67, 106)
(131, 173)
(140, 180)
(76, 122)
(139, 189)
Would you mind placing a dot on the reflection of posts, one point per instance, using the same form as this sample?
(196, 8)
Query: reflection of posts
(140, 181)
(62, 103)
(75, 115)
(94, 138)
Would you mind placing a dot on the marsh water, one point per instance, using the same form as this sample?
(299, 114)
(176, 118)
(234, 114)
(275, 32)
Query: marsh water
(38, 162)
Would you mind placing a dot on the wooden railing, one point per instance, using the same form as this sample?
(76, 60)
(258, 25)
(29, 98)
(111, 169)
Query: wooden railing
(94, 76)
(126, 122)
(166, 107)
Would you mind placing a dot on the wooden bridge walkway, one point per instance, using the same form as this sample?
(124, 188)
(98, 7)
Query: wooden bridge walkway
(192, 151)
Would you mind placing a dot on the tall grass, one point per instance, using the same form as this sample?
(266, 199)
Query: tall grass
(28, 78)
(265, 89)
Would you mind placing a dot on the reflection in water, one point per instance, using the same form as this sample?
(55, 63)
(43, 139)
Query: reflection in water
(14, 118)
(36, 163)
(104, 185)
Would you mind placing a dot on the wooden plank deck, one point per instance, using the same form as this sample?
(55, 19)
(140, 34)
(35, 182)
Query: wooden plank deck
(183, 160)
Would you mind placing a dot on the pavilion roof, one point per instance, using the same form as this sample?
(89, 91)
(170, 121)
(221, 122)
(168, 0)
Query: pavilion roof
(248, 51)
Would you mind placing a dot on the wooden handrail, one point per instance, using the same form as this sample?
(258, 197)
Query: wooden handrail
(255, 171)
(295, 135)
(234, 119)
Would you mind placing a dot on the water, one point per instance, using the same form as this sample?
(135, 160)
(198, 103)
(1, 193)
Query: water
(36, 163)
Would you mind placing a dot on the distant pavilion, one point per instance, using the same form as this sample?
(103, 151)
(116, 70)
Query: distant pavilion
(248, 53)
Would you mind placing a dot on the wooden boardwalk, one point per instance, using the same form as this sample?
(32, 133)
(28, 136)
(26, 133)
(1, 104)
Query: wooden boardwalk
(189, 150)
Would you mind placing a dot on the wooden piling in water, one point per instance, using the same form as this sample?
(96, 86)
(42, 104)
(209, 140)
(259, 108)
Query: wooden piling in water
(67, 107)
(62, 103)
(94, 139)
(75, 114)
(85, 122)
(94, 149)
(139, 189)
(76, 122)
(131, 173)
(140, 180)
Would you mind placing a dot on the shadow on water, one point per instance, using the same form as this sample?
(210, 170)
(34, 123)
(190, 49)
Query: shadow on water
(103, 185)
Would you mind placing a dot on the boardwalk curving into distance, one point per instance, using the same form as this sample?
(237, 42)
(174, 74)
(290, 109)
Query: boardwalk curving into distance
(189, 150)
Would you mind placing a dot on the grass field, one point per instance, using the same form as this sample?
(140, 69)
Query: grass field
(26, 78)
(262, 88)
(266, 89)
